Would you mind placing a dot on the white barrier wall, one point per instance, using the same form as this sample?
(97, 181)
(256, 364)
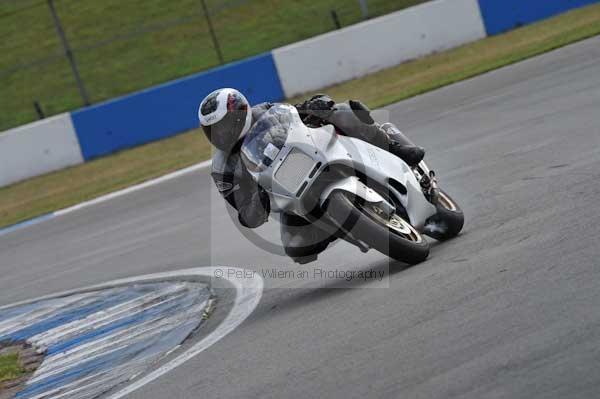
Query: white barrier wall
(377, 44)
(38, 148)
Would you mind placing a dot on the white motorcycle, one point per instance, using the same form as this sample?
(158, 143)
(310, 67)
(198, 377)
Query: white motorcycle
(348, 187)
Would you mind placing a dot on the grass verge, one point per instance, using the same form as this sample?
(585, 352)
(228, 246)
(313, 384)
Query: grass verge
(71, 186)
(64, 188)
(10, 368)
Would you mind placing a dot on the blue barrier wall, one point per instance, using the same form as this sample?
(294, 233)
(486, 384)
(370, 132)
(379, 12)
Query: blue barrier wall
(502, 15)
(170, 108)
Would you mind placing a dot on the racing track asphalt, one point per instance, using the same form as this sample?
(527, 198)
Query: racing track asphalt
(510, 309)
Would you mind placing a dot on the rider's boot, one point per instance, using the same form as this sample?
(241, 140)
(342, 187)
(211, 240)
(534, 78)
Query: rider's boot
(411, 154)
(401, 146)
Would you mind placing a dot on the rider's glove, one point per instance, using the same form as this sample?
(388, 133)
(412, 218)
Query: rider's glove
(320, 106)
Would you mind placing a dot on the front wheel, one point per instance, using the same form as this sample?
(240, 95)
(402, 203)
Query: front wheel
(393, 237)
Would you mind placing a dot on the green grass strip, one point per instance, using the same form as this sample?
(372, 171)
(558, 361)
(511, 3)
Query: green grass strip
(10, 367)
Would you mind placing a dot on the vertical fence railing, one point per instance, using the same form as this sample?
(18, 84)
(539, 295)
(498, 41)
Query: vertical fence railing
(364, 8)
(211, 30)
(68, 53)
(213, 13)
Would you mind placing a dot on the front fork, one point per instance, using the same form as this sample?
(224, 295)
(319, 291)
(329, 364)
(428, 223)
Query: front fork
(428, 182)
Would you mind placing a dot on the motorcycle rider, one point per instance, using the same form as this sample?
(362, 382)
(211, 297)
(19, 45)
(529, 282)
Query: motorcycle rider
(226, 116)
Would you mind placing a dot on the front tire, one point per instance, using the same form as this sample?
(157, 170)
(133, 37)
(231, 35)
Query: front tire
(395, 237)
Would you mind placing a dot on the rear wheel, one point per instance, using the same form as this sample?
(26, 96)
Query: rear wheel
(394, 237)
(448, 221)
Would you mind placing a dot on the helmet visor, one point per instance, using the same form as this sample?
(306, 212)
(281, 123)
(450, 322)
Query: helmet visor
(226, 132)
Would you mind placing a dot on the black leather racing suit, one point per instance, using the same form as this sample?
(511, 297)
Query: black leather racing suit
(301, 240)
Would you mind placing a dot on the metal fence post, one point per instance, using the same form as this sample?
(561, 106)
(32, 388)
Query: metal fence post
(68, 53)
(38, 110)
(336, 20)
(364, 8)
(212, 32)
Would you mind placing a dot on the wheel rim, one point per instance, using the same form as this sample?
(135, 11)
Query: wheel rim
(446, 202)
(395, 223)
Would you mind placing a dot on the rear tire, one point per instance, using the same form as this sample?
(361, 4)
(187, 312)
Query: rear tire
(355, 216)
(447, 222)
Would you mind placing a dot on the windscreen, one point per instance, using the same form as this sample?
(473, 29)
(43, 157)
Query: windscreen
(266, 138)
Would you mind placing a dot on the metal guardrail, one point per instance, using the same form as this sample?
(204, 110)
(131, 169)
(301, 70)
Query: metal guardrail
(46, 45)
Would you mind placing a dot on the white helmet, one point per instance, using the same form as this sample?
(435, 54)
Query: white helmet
(225, 116)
